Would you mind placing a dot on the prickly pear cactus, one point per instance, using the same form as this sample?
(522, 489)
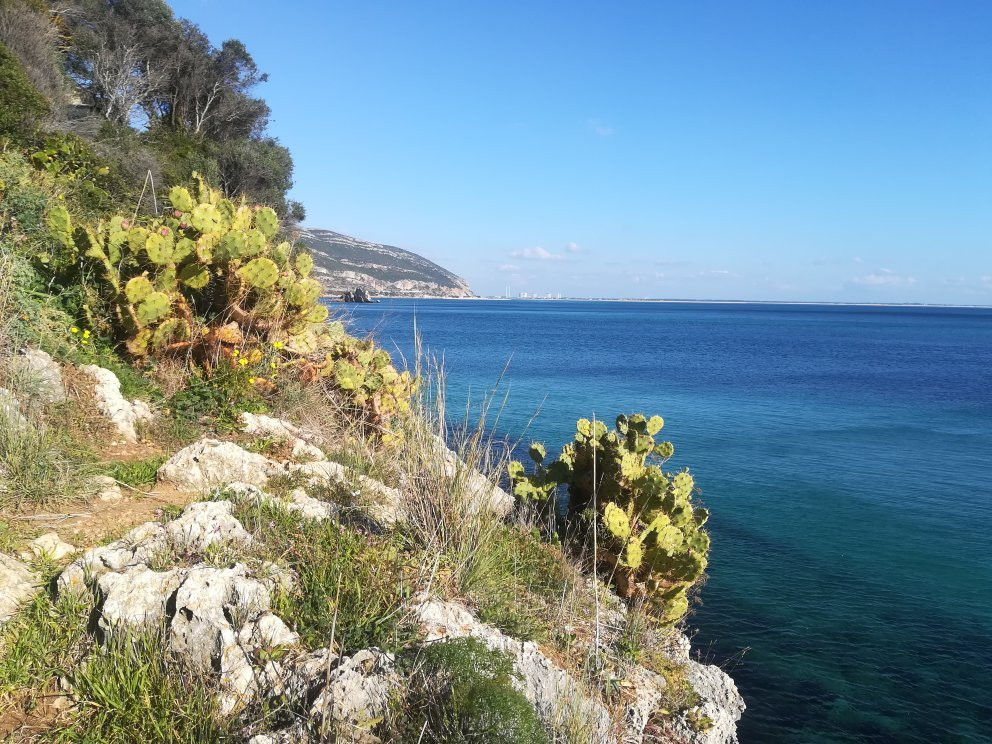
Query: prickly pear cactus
(365, 377)
(650, 534)
(168, 284)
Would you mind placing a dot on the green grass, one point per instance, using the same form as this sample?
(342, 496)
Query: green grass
(131, 691)
(518, 583)
(42, 465)
(137, 472)
(43, 641)
(351, 585)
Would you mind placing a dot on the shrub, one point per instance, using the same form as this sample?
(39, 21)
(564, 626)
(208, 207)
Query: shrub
(649, 534)
(461, 692)
(22, 107)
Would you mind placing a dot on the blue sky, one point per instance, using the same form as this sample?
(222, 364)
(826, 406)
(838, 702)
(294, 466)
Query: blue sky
(832, 151)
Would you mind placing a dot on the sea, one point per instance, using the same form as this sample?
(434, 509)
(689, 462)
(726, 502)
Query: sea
(845, 453)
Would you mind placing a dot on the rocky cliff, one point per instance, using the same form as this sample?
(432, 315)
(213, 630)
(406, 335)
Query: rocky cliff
(343, 264)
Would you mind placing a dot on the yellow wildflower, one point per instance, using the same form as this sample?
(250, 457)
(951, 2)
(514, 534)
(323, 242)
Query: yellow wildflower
(277, 345)
(251, 380)
(84, 342)
(242, 362)
(272, 364)
(235, 353)
(74, 330)
(86, 334)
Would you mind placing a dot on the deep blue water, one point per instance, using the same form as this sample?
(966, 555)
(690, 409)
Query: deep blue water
(846, 456)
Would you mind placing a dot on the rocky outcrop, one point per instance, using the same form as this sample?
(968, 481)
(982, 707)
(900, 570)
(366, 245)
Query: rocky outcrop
(306, 444)
(123, 414)
(39, 375)
(481, 492)
(380, 502)
(219, 621)
(201, 524)
(212, 463)
(359, 296)
(17, 585)
(560, 699)
(719, 702)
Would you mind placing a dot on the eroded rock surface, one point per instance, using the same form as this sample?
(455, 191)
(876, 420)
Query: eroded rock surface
(123, 414)
(39, 375)
(305, 444)
(211, 463)
(17, 585)
(481, 491)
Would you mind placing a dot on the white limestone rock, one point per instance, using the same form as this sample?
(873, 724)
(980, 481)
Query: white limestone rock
(123, 414)
(17, 585)
(200, 525)
(107, 489)
(204, 523)
(134, 550)
(211, 463)
(298, 501)
(356, 696)
(380, 502)
(481, 491)
(136, 598)
(10, 411)
(39, 374)
(305, 443)
(50, 546)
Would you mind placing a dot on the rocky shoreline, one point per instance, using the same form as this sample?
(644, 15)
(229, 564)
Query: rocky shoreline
(220, 618)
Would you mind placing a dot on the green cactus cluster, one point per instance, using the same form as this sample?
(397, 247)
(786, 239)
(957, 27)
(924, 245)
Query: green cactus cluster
(649, 533)
(171, 283)
(371, 385)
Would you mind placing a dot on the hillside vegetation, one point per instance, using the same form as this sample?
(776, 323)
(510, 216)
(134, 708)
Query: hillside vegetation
(223, 518)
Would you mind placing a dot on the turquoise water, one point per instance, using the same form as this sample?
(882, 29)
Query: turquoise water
(846, 455)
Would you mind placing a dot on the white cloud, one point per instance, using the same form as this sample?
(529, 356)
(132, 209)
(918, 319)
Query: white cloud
(987, 281)
(508, 267)
(573, 248)
(884, 278)
(857, 259)
(537, 254)
(601, 129)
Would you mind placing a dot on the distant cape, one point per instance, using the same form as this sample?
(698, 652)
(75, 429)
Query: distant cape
(344, 264)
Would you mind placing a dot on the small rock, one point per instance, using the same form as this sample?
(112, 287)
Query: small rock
(17, 585)
(40, 374)
(107, 489)
(122, 413)
(50, 546)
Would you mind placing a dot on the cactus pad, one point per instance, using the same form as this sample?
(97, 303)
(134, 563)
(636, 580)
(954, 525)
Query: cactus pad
(267, 222)
(154, 307)
(137, 289)
(260, 273)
